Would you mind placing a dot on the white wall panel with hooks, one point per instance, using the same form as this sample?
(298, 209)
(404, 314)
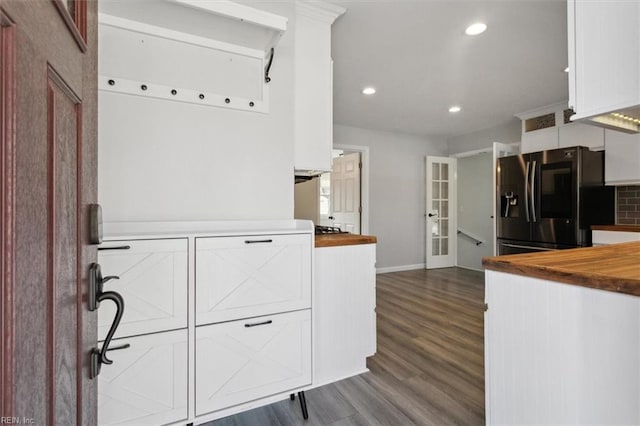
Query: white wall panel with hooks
(206, 53)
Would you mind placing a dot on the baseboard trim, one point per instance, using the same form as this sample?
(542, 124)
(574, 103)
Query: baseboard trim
(470, 269)
(399, 268)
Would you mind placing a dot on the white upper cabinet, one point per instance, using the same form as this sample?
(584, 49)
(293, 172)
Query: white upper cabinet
(622, 158)
(581, 135)
(539, 140)
(604, 60)
(314, 86)
(549, 128)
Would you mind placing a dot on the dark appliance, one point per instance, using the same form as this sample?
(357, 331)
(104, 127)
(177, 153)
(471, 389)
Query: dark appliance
(542, 196)
(319, 230)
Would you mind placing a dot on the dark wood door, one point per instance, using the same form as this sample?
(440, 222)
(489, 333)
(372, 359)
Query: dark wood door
(48, 162)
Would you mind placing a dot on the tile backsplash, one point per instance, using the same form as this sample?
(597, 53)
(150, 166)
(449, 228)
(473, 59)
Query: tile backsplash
(628, 207)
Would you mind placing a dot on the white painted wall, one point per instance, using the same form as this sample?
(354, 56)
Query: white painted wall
(397, 191)
(507, 133)
(169, 161)
(475, 199)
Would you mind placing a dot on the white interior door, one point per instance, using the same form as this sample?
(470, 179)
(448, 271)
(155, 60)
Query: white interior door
(441, 213)
(499, 150)
(345, 192)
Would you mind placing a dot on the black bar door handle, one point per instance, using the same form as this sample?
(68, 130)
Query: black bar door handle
(257, 241)
(255, 324)
(115, 248)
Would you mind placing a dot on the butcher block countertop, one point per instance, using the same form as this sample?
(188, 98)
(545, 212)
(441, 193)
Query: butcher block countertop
(333, 240)
(613, 267)
(619, 228)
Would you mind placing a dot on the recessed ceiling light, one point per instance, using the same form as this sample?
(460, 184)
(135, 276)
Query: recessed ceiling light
(455, 109)
(566, 69)
(368, 90)
(475, 29)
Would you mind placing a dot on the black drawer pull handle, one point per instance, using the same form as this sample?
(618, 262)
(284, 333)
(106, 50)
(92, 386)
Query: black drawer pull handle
(115, 248)
(257, 241)
(258, 323)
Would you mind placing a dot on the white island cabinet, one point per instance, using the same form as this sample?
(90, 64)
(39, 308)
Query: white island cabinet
(218, 316)
(562, 337)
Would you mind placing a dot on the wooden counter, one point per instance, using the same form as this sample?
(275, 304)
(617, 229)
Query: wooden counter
(333, 240)
(619, 228)
(613, 268)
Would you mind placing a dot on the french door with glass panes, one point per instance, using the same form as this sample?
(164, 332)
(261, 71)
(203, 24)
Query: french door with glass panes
(440, 216)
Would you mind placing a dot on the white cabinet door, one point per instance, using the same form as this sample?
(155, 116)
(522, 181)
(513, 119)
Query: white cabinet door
(147, 382)
(314, 85)
(153, 283)
(539, 140)
(313, 112)
(581, 135)
(245, 360)
(621, 158)
(240, 277)
(604, 55)
(344, 311)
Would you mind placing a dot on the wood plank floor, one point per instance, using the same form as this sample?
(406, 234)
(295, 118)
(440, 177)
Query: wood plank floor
(429, 367)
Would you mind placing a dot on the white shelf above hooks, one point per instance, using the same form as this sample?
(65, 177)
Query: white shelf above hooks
(212, 53)
(221, 20)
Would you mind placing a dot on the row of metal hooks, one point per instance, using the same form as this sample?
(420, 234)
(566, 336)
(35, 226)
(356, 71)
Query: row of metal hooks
(174, 92)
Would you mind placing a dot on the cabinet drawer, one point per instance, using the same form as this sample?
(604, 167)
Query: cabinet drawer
(153, 283)
(239, 277)
(601, 238)
(147, 383)
(244, 360)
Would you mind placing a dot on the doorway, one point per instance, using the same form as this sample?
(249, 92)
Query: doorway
(344, 193)
(440, 216)
(475, 209)
(339, 198)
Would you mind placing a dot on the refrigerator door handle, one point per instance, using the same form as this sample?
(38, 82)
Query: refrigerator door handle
(526, 193)
(533, 192)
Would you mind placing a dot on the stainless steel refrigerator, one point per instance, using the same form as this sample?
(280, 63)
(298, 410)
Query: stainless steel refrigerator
(548, 200)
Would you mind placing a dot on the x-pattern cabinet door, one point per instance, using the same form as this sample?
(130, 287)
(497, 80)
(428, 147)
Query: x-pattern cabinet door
(147, 382)
(244, 360)
(240, 277)
(153, 281)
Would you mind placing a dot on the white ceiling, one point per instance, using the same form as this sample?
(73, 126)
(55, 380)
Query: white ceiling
(417, 56)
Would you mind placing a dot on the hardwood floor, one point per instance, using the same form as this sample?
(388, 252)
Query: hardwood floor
(429, 367)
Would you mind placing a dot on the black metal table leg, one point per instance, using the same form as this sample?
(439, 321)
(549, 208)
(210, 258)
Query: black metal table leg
(303, 405)
(292, 396)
